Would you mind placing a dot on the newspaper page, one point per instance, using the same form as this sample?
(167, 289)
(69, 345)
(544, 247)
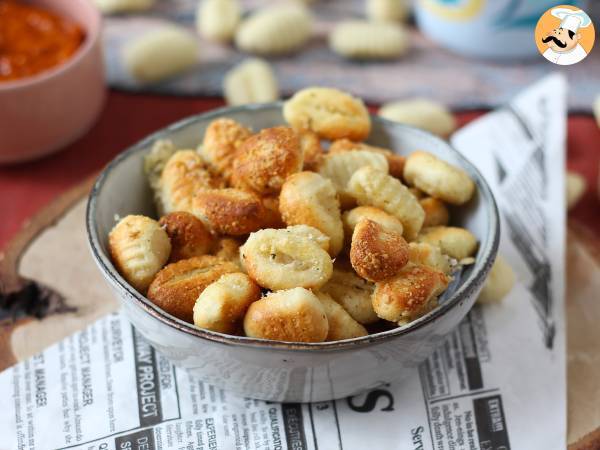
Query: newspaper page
(497, 381)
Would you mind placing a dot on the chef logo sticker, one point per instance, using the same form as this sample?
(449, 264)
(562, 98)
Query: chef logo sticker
(565, 35)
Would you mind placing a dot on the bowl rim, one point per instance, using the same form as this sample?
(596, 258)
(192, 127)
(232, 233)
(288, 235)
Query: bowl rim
(92, 36)
(476, 277)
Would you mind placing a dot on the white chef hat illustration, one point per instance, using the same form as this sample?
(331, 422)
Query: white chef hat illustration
(572, 20)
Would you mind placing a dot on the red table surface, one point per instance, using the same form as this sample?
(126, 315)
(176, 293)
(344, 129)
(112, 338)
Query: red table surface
(126, 118)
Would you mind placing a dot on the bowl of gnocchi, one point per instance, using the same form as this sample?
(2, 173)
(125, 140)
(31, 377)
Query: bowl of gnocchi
(298, 251)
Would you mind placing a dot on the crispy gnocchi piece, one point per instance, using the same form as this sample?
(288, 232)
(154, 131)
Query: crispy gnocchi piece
(410, 294)
(352, 217)
(275, 30)
(309, 199)
(184, 175)
(429, 255)
(436, 212)
(455, 242)
(438, 178)
(160, 54)
(340, 166)
(387, 10)
(229, 211)
(353, 293)
(266, 159)
(330, 113)
(421, 113)
(228, 249)
(374, 187)
(252, 81)
(272, 217)
(222, 305)
(187, 234)
(499, 283)
(311, 149)
(217, 19)
(293, 315)
(279, 259)
(177, 286)
(361, 39)
(312, 234)
(222, 138)
(341, 324)
(139, 247)
(377, 253)
(395, 162)
(576, 186)
(122, 6)
(154, 164)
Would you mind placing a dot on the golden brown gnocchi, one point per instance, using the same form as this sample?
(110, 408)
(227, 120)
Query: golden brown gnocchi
(222, 138)
(352, 217)
(455, 242)
(438, 178)
(311, 149)
(188, 235)
(341, 324)
(374, 187)
(293, 315)
(154, 164)
(266, 159)
(377, 253)
(429, 255)
(177, 286)
(330, 113)
(395, 162)
(436, 212)
(222, 305)
(410, 294)
(309, 199)
(280, 259)
(139, 247)
(311, 233)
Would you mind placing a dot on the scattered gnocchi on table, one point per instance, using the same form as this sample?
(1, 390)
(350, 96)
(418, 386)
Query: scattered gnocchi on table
(267, 234)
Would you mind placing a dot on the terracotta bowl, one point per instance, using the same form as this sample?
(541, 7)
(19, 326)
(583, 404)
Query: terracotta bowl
(45, 112)
(281, 371)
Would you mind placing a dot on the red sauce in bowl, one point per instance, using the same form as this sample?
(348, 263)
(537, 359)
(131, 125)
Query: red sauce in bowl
(33, 39)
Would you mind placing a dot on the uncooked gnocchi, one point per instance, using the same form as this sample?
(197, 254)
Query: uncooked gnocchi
(293, 315)
(222, 305)
(499, 282)
(387, 10)
(359, 39)
(374, 187)
(330, 113)
(218, 19)
(421, 113)
(139, 247)
(277, 259)
(274, 30)
(309, 199)
(161, 54)
(122, 6)
(438, 178)
(252, 81)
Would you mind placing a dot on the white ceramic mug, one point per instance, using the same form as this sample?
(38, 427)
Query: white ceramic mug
(494, 29)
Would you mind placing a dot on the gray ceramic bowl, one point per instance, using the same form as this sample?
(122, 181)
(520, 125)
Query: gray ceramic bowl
(281, 371)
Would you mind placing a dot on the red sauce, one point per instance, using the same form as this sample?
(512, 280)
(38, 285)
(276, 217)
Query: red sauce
(33, 40)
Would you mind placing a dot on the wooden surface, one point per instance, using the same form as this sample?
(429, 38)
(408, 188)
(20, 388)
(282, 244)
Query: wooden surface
(52, 250)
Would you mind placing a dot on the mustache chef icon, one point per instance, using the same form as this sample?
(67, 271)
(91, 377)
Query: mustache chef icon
(563, 42)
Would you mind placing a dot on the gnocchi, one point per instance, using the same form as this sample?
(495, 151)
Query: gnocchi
(139, 247)
(222, 305)
(252, 81)
(177, 286)
(421, 113)
(352, 217)
(575, 187)
(161, 54)
(121, 6)
(274, 30)
(341, 324)
(387, 10)
(312, 234)
(438, 178)
(410, 294)
(360, 39)
(154, 164)
(455, 242)
(222, 139)
(218, 19)
(187, 234)
(429, 255)
(377, 253)
(436, 212)
(278, 259)
(499, 282)
(293, 315)
(309, 199)
(395, 162)
(374, 187)
(311, 149)
(330, 113)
